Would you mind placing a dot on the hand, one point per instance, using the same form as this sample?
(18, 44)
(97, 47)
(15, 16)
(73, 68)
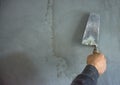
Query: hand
(98, 61)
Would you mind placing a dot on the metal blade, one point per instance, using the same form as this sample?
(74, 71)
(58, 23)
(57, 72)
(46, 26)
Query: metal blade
(91, 34)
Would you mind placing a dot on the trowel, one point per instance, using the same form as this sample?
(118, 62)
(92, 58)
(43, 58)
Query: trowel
(91, 33)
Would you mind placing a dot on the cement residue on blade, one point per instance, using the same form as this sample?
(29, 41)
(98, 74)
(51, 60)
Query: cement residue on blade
(89, 41)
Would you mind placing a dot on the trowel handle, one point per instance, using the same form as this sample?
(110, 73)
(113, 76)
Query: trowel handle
(95, 50)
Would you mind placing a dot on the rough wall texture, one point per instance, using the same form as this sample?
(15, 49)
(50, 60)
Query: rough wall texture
(40, 40)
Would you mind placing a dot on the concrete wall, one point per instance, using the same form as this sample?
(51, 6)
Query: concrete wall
(40, 40)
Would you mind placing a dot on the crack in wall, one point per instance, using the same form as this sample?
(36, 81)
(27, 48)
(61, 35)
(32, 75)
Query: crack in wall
(50, 19)
(47, 12)
(53, 32)
(62, 63)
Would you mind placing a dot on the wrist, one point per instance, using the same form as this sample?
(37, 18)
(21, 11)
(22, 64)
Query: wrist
(97, 68)
(91, 71)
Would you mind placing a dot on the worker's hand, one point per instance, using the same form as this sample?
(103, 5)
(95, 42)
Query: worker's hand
(97, 60)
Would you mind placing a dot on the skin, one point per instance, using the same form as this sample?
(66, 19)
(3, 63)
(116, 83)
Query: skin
(98, 60)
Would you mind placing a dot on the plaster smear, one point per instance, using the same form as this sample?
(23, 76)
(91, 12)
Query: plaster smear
(89, 41)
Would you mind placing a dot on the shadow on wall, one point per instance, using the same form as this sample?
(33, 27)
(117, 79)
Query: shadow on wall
(16, 69)
(77, 37)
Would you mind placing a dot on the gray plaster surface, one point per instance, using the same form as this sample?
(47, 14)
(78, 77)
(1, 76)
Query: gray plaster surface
(40, 40)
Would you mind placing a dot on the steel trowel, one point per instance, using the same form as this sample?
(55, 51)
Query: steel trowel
(91, 33)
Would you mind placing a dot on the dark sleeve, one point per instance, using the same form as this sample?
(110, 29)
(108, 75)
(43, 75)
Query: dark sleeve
(89, 76)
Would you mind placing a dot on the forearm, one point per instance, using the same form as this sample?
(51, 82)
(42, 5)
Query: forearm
(89, 76)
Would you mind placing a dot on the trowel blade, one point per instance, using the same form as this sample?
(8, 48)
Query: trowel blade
(91, 33)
